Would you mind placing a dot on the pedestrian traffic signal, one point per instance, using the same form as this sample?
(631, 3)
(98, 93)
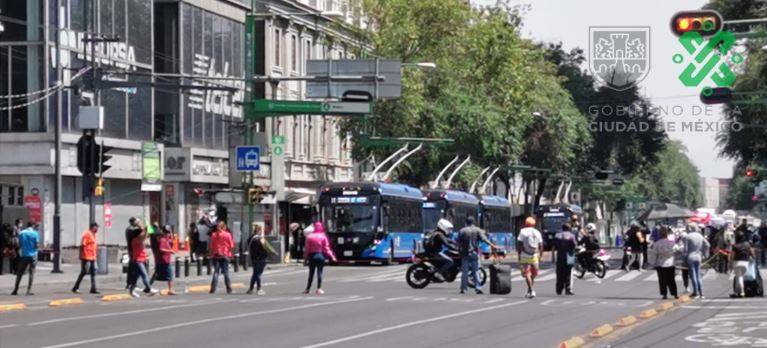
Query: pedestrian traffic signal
(704, 22)
(255, 195)
(716, 95)
(98, 191)
(751, 172)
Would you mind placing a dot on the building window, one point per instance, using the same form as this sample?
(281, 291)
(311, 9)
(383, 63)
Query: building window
(11, 195)
(294, 52)
(20, 196)
(277, 48)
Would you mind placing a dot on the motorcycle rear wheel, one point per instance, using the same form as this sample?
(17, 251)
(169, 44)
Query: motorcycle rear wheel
(418, 276)
(600, 269)
(580, 272)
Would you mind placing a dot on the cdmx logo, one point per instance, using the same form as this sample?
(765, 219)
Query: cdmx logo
(619, 57)
(707, 58)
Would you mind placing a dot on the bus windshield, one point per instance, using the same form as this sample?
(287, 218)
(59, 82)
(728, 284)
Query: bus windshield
(351, 217)
(430, 218)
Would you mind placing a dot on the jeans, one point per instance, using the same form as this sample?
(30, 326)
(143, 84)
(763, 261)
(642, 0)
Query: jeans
(666, 280)
(447, 262)
(139, 270)
(87, 267)
(564, 277)
(24, 263)
(221, 266)
(739, 268)
(470, 263)
(258, 269)
(638, 256)
(697, 284)
(316, 263)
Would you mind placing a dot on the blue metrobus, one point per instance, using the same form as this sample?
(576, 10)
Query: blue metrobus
(495, 219)
(552, 217)
(372, 221)
(455, 206)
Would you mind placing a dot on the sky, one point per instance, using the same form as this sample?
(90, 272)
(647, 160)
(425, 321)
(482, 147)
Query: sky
(568, 21)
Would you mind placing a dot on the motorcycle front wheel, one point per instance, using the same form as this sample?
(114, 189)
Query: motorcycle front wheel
(482, 274)
(418, 276)
(600, 269)
(580, 272)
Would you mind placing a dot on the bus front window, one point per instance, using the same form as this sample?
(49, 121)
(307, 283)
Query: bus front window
(351, 218)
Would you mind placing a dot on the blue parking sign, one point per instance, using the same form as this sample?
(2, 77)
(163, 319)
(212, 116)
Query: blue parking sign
(248, 158)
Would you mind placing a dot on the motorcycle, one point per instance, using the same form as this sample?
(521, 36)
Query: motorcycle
(422, 272)
(597, 264)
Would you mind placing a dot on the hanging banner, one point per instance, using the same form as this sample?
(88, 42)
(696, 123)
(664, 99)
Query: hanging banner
(151, 172)
(34, 208)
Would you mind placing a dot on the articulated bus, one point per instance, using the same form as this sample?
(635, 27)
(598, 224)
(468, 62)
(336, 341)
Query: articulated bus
(551, 217)
(495, 219)
(372, 221)
(454, 206)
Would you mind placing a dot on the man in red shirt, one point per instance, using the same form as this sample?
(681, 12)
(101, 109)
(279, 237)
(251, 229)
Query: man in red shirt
(221, 245)
(138, 264)
(88, 258)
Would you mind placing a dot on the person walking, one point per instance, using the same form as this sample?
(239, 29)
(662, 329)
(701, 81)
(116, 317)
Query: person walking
(661, 255)
(762, 232)
(564, 243)
(164, 266)
(741, 254)
(134, 229)
(529, 251)
(18, 226)
(192, 239)
(221, 245)
(634, 241)
(696, 248)
(138, 264)
(316, 251)
(27, 260)
(4, 238)
(469, 238)
(259, 249)
(88, 247)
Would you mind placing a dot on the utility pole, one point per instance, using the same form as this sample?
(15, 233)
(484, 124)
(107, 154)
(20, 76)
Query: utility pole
(57, 151)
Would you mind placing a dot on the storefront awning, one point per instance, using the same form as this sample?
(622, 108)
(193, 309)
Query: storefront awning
(299, 195)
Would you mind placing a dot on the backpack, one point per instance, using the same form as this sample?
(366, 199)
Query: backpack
(429, 242)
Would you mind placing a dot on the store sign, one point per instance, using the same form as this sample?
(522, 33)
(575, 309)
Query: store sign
(218, 102)
(117, 54)
(34, 208)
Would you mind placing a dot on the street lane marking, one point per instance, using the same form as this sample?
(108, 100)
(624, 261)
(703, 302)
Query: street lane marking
(7, 326)
(719, 307)
(104, 315)
(66, 301)
(652, 278)
(629, 276)
(205, 321)
(12, 307)
(412, 323)
(711, 274)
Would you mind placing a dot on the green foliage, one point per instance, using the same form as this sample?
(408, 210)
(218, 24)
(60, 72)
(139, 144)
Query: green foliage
(740, 193)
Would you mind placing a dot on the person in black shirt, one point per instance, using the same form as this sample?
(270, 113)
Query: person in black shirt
(741, 254)
(435, 244)
(564, 243)
(259, 250)
(762, 232)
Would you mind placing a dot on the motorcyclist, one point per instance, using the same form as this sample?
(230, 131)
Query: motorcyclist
(439, 244)
(590, 244)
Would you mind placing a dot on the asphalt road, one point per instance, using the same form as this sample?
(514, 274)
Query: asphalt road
(372, 306)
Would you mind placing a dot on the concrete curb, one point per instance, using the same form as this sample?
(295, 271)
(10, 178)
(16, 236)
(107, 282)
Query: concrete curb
(12, 307)
(684, 299)
(648, 314)
(627, 321)
(665, 306)
(602, 331)
(116, 297)
(66, 302)
(573, 342)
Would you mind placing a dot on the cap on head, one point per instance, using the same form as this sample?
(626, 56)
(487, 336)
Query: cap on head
(470, 220)
(530, 221)
(591, 227)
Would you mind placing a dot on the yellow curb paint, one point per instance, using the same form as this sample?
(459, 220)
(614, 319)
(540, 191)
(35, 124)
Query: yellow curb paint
(198, 288)
(115, 297)
(12, 307)
(66, 301)
(666, 306)
(573, 342)
(238, 286)
(626, 321)
(602, 330)
(648, 314)
(684, 299)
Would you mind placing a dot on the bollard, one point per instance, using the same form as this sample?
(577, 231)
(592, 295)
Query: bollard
(199, 266)
(178, 268)
(186, 266)
(236, 264)
(207, 264)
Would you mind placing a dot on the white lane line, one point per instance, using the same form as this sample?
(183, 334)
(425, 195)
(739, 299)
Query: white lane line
(370, 276)
(204, 321)
(412, 323)
(652, 278)
(719, 307)
(608, 274)
(114, 314)
(7, 326)
(494, 301)
(629, 276)
(547, 277)
(740, 300)
(711, 274)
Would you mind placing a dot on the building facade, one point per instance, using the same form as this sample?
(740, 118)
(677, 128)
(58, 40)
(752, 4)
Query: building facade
(156, 46)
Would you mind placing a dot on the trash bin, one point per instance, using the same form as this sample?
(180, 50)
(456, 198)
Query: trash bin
(102, 260)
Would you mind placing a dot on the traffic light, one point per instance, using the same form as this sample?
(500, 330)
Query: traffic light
(255, 195)
(751, 173)
(98, 191)
(704, 22)
(86, 159)
(102, 153)
(716, 95)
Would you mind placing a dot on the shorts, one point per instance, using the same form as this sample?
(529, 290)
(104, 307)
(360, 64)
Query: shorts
(530, 268)
(164, 272)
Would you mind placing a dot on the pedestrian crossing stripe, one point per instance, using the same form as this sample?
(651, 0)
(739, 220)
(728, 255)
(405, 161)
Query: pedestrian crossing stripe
(629, 276)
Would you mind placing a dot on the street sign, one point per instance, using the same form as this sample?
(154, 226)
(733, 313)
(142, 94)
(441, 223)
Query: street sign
(248, 158)
(278, 140)
(107, 215)
(301, 107)
(34, 207)
(389, 69)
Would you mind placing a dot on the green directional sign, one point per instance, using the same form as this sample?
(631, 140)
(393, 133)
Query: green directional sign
(265, 107)
(278, 140)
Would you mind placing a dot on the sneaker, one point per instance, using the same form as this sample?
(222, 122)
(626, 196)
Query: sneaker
(478, 292)
(30, 294)
(153, 292)
(75, 291)
(569, 293)
(462, 292)
(532, 294)
(320, 292)
(306, 292)
(249, 292)
(15, 293)
(260, 292)
(229, 291)
(701, 297)
(95, 292)
(687, 290)
(694, 295)
(135, 294)
(665, 297)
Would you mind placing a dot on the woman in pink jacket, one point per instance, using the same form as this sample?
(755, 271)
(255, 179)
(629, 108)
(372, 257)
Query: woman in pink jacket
(316, 251)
